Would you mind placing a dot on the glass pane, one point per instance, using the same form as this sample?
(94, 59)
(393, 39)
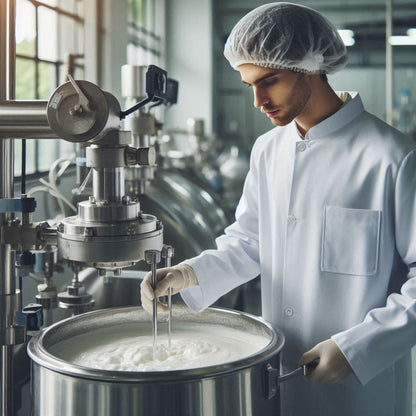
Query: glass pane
(66, 149)
(46, 80)
(71, 37)
(132, 11)
(47, 153)
(30, 156)
(25, 28)
(79, 73)
(25, 79)
(47, 35)
(72, 6)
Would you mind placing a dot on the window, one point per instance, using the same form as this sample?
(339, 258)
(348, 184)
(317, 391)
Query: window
(145, 26)
(49, 43)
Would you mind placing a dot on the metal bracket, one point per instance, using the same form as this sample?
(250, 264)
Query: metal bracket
(156, 89)
(272, 375)
(17, 205)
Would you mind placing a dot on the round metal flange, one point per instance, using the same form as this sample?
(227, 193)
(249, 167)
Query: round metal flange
(80, 123)
(108, 246)
(90, 211)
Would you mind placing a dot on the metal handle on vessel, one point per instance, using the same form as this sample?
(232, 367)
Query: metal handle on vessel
(274, 377)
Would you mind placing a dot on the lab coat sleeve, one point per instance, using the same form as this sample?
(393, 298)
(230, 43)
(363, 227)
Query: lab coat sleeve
(387, 333)
(236, 259)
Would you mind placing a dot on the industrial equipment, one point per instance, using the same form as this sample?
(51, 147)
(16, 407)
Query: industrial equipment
(109, 232)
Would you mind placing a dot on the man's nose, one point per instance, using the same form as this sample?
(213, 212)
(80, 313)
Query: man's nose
(260, 98)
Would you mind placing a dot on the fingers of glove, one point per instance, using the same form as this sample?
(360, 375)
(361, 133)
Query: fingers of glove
(146, 287)
(333, 366)
(160, 274)
(173, 279)
(146, 290)
(148, 306)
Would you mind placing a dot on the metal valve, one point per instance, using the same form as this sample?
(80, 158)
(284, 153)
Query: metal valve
(143, 156)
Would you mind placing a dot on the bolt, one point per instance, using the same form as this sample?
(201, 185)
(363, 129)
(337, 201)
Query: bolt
(152, 256)
(75, 110)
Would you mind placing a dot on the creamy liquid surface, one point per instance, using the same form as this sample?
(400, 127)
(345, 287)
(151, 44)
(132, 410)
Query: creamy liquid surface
(199, 346)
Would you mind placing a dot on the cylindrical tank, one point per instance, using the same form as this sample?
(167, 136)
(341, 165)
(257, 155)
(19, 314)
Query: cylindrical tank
(243, 387)
(191, 213)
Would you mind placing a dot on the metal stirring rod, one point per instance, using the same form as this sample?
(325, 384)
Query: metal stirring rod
(167, 253)
(154, 321)
(153, 258)
(170, 317)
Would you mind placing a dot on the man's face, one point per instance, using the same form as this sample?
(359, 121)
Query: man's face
(279, 93)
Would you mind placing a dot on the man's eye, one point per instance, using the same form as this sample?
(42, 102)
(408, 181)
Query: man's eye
(269, 81)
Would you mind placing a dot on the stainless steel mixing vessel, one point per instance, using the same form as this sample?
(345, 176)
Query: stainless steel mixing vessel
(240, 388)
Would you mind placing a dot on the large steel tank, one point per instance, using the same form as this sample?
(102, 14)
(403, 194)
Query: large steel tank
(192, 214)
(245, 387)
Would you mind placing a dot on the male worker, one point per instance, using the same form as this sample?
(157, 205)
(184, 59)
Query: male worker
(327, 217)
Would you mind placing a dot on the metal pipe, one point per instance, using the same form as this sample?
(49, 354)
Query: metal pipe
(6, 380)
(108, 184)
(7, 281)
(389, 62)
(24, 119)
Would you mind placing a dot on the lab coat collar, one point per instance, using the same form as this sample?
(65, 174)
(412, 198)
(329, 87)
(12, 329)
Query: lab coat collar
(349, 111)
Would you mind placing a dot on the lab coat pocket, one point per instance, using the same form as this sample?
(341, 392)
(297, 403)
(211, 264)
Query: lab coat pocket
(350, 241)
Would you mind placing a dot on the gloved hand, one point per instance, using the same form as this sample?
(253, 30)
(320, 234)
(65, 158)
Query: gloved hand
(178, 278)
(333, 367)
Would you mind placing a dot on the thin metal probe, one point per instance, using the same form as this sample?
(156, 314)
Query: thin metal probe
(168, 254)
(152, 257)
(170, 317)
(154, 321)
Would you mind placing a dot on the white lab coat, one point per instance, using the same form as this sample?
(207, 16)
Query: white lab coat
(330, 224)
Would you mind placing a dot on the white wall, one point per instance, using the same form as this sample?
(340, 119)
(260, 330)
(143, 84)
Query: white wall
(371, 84)
(189, 60)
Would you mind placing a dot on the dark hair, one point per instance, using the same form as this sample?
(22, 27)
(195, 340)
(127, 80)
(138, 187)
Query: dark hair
(324, 77)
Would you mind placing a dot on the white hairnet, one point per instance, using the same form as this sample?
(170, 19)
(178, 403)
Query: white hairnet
(287, 36)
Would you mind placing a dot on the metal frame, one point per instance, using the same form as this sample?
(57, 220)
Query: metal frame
(7, 280)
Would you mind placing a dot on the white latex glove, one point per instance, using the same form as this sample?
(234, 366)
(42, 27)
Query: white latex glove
(333, 367)
(177, 277)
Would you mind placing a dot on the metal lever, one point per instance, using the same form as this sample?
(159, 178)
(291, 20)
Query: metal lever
(83, 100)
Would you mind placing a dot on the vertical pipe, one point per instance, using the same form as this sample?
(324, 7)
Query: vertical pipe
(389, 62)
(108, 184)
(7, 283)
